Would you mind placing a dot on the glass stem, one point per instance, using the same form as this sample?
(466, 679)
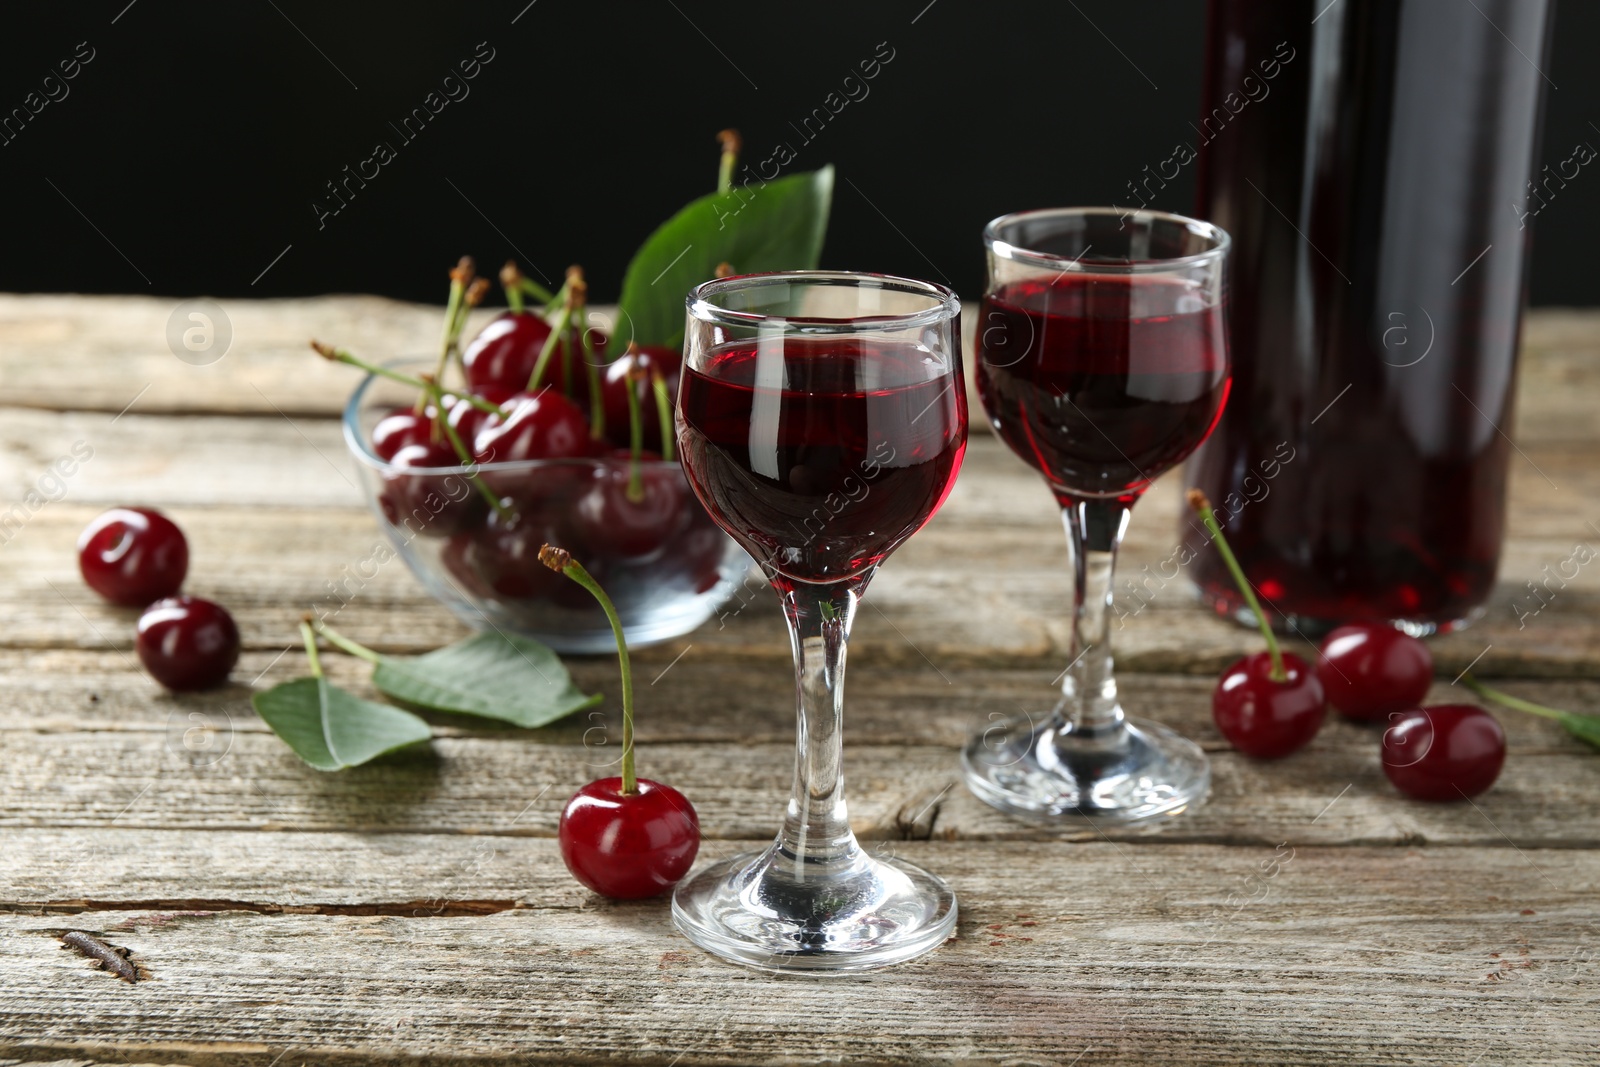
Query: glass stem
(1089, 704)
(816, 827)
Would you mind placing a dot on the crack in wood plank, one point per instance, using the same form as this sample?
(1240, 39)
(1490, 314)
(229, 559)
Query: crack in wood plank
(112, 959)
(199, 907)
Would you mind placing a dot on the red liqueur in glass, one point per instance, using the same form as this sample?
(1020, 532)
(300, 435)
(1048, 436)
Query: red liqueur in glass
(821, 456)
(1101, 382)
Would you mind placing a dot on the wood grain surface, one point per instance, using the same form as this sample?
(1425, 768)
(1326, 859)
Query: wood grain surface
(416, 911)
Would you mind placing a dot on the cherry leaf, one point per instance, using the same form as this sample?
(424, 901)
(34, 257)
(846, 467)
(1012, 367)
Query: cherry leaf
(491, 674)
(332, 729)
(760, 226)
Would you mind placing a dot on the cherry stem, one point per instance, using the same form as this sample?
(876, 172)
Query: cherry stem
(549, 348)
(635, 488)
(561, 561)
(471, 465)
(511, 282)
(567, 345)
(537, 291)
(474, 296)
(1542, 710)
(597, 406)
(428, 388)
(345, 643)
(1202, 507)
(658, 385)
(731, 143)
(487, 406)
(311, 648)
(430, 392)
(459, 277)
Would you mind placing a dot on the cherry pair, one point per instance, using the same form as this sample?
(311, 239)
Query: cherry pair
(1271, 703)
(502, 358)
(137, 557)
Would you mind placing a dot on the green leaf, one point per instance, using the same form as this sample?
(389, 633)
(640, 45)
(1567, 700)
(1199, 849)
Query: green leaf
(1583, 727)
(331, 729)
(495, 675)
(763, 226)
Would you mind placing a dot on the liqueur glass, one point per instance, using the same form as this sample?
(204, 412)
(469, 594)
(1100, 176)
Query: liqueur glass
(1103, 362)
(822, 421)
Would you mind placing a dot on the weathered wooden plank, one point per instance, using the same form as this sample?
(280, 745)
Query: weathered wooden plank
(513, 783)
(88, 737)
(177, 461)
(700, 699)
(96, 353)
(1282, 954)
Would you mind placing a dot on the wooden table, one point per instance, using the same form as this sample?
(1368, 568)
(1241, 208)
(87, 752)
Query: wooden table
(416, 910)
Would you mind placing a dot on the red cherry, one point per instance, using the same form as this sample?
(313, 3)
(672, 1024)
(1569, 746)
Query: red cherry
(648, 359)
(504, 352)
(629, 846)
(699, 552)
(467, 419)
(434, 505)
(1444, 752)
(609, 521)
(1264, 718)
(1371, 670)
(400, 428)
(459, 558)
(187, 643)
(503, 557)
(500, 558)
(132, 556)
(542, 425)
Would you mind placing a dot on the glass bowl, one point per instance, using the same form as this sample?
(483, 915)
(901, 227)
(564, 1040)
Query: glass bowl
(666, 577)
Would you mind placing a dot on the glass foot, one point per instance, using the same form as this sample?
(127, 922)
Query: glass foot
(1128, 773)
(860, 912)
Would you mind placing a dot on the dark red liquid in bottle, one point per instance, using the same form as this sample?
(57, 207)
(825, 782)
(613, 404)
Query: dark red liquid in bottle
(821, 457)
(1101, 382)
(1370, 163)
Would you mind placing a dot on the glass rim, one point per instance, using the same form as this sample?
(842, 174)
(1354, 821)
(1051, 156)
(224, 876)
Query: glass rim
(945, 306)
(360, 445)
(1004, 249)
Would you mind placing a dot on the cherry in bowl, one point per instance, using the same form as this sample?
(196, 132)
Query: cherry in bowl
(636, 370)
(400, 428)
(538, 425)
(503, 354)
(132, 556)
(426, 494)
(632, 513)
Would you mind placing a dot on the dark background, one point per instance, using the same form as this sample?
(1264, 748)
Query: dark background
(188, 153)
